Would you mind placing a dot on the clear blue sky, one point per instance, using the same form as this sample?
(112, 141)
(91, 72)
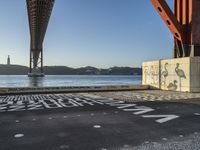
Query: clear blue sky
(100, 33)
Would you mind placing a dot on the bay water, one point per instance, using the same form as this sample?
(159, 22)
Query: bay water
(68, 80)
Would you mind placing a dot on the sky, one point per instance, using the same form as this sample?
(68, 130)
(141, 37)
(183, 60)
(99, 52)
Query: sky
(99, 33)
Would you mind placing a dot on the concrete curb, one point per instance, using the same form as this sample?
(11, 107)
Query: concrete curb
(73, 89)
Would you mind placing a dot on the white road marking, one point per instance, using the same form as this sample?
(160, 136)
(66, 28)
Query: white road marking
(164, 139)
(126, 105)
(97, 126)
(35, 102)
(197, 114)
(18, 135)
(126, 146)
(164, 118)
(140, 110)
(65, 147)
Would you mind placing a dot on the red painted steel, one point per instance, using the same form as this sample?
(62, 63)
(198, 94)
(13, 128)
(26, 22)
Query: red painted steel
(169, 18)
(195, 23)
(184, 24)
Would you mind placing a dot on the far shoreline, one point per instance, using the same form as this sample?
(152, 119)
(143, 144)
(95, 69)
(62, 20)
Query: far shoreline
(64, 70)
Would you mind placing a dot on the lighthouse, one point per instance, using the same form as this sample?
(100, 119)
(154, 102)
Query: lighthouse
(8, 60)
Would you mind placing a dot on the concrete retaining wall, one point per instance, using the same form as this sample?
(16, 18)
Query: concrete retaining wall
(181, 74)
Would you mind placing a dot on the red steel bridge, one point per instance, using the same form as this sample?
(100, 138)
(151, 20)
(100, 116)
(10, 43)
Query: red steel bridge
(183, 22)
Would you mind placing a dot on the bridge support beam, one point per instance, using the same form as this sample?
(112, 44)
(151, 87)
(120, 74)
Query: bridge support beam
(39, 12)
(183, 72)
(184, 24)
(36, 68)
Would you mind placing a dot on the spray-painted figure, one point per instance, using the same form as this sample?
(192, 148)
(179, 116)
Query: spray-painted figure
(180, 73)
(172, 86)
(165, 74)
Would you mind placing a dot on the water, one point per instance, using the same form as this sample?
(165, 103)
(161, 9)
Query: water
(67, 80)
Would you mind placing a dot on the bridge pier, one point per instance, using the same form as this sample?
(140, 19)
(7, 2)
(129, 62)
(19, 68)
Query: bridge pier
(39, 12)
(36, 69)
(183, 72)
(180, 74)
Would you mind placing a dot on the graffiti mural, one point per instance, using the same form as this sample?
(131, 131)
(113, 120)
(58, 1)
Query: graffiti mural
(180, 73)
(172, 86)
(164, 74)
(151, 75)
(167, 75)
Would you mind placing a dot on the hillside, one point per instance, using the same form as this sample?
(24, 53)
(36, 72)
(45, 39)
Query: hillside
(13, 70)
(63, 70)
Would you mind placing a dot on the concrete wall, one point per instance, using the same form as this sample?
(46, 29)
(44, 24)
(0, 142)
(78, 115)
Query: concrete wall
(181, 74)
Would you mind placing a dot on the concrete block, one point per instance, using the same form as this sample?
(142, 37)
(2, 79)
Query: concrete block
(181, 74)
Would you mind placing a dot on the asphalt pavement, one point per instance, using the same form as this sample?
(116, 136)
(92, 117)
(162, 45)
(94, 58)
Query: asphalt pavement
(77, 122)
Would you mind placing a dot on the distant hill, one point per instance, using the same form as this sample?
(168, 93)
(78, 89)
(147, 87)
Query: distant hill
(63, 70)
(13, 70)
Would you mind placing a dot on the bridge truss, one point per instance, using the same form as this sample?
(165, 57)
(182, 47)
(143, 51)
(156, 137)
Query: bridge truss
(39, 12)
(184, 23)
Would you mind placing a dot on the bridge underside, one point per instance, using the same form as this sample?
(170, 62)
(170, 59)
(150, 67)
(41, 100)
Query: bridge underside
(39, 12)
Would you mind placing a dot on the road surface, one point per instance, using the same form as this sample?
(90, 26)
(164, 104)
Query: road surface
(83, 122)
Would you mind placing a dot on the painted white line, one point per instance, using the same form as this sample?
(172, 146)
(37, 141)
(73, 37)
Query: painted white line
(164, 118)
(18, 135)
(97, 126)
(197, 114)
(126, 146)
(164, 139)
(140, 110)
(17, 121)
(65, 147)
(126, 105)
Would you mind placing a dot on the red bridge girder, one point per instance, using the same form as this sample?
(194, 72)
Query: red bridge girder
(169, 18)
(184, 24)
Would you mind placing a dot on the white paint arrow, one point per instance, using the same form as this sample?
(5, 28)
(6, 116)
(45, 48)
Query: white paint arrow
(140, 110)
(164, 118)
